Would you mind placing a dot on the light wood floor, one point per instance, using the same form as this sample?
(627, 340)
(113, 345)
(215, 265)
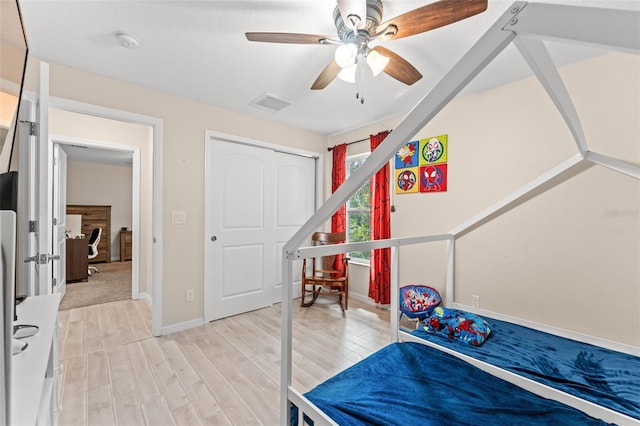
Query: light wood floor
(226, 372)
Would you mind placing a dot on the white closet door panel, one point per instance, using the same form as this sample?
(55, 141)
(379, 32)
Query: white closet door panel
(239, 279)
(242, 258)
(243, 191)
(295, 203)
(293, 182)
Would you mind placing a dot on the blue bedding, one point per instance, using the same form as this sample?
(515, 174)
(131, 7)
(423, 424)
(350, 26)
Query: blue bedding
(605, 377)
(413, 384)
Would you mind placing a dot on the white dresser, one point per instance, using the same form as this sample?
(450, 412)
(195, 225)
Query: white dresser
(34, 372)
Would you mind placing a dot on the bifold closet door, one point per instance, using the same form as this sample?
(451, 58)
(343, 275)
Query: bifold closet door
(295, 203)
(256, 198)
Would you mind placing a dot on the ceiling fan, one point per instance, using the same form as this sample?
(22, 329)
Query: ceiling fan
(359, 31)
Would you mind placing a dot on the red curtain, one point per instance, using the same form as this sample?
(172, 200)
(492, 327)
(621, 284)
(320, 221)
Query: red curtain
(338, 175)
(380, 263)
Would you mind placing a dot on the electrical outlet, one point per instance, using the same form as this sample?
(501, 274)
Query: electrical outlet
(178, 217)
(190, 296)
(475, 301)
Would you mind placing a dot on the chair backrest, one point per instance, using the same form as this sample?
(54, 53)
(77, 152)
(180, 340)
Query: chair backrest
(325, 238)
(94, 240)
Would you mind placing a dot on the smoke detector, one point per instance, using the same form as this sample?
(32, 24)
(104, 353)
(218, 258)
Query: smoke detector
(126, 40)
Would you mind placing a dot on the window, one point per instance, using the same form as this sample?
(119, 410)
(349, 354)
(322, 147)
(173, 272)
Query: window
(358, 212)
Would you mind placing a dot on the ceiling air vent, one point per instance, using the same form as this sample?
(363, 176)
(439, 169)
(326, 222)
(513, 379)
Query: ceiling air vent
(269, 102)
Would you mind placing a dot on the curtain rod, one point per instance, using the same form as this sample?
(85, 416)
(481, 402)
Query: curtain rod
(352, 142)
(349, 143)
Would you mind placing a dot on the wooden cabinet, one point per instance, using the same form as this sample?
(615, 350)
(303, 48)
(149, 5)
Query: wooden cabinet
(96, 217)
(77, 259)
(125, 245)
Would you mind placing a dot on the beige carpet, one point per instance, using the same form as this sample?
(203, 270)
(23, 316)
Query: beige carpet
(112, 283)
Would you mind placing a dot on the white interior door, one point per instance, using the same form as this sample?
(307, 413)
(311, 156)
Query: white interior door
(59, 218)
(38, 197)
(255, 199)
(27, 243)
(295, 203)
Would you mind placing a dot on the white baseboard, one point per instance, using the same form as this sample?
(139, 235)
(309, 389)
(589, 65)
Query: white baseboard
(174, 328)
(366, 299)
(146, 297)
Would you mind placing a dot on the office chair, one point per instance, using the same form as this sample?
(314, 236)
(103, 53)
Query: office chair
(327, 277)
(94, 240)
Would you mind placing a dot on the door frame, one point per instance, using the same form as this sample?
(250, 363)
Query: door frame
(135, 202)
(157, 129)
(209, 135)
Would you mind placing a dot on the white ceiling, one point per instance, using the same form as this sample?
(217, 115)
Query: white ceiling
(197, 50)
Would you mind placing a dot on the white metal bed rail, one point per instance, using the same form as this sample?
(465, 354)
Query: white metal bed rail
(308, 408)
(292, 396)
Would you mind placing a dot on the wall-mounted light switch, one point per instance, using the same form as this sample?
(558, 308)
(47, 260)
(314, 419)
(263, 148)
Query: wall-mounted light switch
(178, 217)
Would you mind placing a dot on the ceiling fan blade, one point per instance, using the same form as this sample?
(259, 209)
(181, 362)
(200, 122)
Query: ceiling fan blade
(431, 16)
(349, 9)
(288, 38)
(328, 74)
(398, 67)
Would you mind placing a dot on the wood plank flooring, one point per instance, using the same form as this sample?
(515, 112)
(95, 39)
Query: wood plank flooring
(224, 373)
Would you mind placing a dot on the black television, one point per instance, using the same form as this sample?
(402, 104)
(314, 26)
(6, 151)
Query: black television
(13, 61)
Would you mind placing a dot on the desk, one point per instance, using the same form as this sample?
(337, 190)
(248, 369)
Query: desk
(77, 259)
(125, 245)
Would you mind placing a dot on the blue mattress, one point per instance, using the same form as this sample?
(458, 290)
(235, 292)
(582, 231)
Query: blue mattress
(414, 384)
(605, 377)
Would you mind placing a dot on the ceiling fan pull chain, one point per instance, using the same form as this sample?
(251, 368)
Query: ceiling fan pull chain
(360, 78)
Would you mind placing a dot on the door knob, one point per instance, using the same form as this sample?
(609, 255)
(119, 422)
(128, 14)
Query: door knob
(213, 238)
(42, 259)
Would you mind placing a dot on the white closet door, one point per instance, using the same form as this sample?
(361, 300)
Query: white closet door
(295, 203)
(241, 256)
(255, 199)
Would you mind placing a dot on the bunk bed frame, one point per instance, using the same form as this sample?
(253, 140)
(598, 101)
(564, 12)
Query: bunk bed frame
(526, 25)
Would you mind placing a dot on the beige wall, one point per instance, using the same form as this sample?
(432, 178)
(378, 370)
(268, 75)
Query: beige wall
(570, 256)
(8, 104)
(103, 184)
(184, 125)
(528, 263)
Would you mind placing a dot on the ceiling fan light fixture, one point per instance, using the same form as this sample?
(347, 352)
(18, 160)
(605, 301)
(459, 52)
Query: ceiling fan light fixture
(376, 62)
(348, 74)
(345, 55)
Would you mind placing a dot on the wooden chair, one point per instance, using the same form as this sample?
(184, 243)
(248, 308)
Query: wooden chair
(326, 278)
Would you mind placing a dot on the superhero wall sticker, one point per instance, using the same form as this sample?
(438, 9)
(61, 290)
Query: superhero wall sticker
(421, 166)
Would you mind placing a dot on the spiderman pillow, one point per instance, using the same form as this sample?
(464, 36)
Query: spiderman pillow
(417, 301)
(460, 325)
